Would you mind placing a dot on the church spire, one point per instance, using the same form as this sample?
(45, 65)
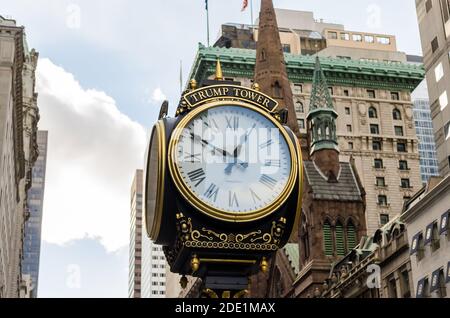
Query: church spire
(322, 115)
(270, 69)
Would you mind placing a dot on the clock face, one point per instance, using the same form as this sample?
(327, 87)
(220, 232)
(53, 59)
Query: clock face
(233, 159)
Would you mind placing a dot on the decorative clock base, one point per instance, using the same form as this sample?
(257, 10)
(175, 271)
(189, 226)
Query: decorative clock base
(225, 287)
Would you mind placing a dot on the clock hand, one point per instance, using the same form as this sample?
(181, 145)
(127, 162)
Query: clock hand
(216, 149)
(243, 140)
(230, 166)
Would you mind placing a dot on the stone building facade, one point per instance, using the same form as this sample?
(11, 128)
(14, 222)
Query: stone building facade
(18, 148)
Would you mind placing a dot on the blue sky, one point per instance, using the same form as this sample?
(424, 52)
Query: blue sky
(105, 66)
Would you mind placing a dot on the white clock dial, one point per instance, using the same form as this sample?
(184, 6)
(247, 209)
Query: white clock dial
(233, 159)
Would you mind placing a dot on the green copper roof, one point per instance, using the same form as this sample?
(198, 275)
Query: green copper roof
(339, 72)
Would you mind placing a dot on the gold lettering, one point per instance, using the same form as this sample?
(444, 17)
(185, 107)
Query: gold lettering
(225, 91)
(194, 96)
(236, 91)
(209, 93)
(266, 102)
(217, 92)
(202, 95)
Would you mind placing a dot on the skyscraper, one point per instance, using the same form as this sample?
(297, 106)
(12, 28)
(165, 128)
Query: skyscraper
(19, 115)
(134, 279)
(32, 240)
(434, 25)
(147, 267)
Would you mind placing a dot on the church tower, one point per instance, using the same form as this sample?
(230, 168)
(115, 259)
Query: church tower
(322, 116)
(270, 68)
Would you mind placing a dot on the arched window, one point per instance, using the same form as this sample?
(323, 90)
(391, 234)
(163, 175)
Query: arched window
(351, 236)
(327, 239)
(305, 241)
(340, 245)
(263, 55)
(373, 112)
(277, 92)
(396, 114)
(299, 107)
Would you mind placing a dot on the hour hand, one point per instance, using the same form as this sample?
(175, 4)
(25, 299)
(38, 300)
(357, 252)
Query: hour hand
(206, 143)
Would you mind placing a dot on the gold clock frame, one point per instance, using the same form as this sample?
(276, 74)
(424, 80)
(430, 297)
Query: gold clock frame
(209, 210)
(158, 132)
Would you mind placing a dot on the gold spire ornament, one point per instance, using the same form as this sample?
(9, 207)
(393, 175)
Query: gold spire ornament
(219, 74)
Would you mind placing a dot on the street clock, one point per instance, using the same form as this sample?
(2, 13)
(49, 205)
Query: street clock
(223, 181)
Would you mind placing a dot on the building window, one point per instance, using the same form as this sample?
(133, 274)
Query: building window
(286, 48)
(345, 36)
(346, 93)
(301, 123)
(429, 5)
(439, 72)
(327, 239)
(384, 219)
(406, 290)
(392, 287)
(376, 145)
(298, 88)
(331, 91)
(374, 129)
(381, 182)
(371, 93)
(340, 246)
(443, 100)
(403, 165)
(434, 45)
(332, 35)
(420, 247)
(277, 92)
(395, 96)
(369, 39)
(299, 107)
(357, 37)
(398, 130)
(396, 114)
(349, 128)
(351, 236)
(347, 110)
(401, 147)
(447, 131)
(382, 200)
(378, 163)
(405, 184)
(442, 289)
(432, 236)
(263, 55)
(373, 112)
(350, 146)
(445, 4)
(383, 40)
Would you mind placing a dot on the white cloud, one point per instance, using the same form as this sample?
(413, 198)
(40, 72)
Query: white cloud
(158, 95)
(93, 152)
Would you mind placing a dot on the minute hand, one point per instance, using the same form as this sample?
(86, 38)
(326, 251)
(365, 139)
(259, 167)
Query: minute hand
(216, 149)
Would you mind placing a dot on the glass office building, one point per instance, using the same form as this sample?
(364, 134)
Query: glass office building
(32, 239)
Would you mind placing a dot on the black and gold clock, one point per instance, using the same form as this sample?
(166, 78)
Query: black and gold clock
(223, 181)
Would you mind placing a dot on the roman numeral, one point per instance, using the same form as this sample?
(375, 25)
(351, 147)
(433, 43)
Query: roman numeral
(273, 163)
(212, 191)
(255, 197)
(266, 144)
(268, 181)
(232, 199)
(232, 122)
(193, 158)
(197, 176)
(211, 123)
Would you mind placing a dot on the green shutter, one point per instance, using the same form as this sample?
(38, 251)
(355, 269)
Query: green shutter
(327, 239)
(351, 237)
(340, 246)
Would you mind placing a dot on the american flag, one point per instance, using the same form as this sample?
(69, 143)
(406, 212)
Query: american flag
(245, 5)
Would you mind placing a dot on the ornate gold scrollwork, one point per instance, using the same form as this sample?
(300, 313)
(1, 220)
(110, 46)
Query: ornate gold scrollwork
(206, 238)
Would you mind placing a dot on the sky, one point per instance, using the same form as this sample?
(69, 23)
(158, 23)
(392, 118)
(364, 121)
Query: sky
(105, 67)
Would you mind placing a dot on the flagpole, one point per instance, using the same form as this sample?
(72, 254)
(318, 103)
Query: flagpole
(251, 13)
(207, 21)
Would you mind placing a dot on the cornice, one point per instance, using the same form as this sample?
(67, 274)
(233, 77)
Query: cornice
(379, 75)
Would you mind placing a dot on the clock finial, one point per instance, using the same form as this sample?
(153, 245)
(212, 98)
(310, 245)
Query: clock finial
(219, 74)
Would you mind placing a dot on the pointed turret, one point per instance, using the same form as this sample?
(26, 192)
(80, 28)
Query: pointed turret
(322, 122)
(270, 69)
